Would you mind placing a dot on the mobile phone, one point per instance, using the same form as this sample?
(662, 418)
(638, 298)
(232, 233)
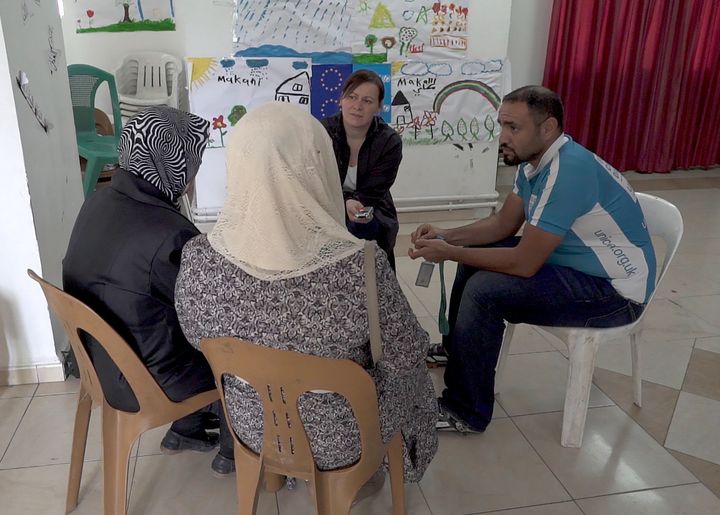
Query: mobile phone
(365, 213)
(425, 274)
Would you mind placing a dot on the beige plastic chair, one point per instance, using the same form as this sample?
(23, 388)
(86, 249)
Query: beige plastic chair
(120, 429)
(663, 221)
(280, 378)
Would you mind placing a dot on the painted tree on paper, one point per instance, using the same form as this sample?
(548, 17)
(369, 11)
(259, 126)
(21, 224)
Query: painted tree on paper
(370, 41)
(126, 8)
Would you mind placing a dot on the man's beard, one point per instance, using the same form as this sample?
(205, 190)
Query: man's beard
(517, 159)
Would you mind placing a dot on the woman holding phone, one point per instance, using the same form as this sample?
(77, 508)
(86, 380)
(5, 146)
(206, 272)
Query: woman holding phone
(368, 153)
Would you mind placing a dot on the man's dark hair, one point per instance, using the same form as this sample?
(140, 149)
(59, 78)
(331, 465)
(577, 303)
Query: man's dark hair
(361, 77)
(541, 103)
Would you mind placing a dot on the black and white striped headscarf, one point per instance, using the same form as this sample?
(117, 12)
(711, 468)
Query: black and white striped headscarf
(164, 146)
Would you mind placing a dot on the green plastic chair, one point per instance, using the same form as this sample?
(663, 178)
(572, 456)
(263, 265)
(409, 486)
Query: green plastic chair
(96, 149)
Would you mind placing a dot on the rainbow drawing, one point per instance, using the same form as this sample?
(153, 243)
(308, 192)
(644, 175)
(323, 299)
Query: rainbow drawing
(466, 85)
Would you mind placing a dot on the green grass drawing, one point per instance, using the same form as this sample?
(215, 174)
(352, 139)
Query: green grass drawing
(369, 58)
(156, 25)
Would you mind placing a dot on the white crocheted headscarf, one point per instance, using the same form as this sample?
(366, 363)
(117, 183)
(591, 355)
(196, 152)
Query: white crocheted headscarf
(284, 214)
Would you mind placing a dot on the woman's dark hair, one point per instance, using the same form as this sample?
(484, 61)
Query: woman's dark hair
(361, 77)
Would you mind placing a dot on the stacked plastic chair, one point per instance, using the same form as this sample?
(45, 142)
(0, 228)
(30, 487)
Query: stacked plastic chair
(148, 79)
(98, 150)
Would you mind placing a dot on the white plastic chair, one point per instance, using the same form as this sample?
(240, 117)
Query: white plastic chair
(664, 221)
(147, 79)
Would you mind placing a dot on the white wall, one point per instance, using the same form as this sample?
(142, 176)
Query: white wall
(529, 28)
(46, 177)
(25, 333)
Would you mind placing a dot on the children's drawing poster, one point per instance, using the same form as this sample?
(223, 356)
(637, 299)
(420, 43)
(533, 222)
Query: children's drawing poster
(311, 28)
(388, 30)
(447, 102)
(328, 81)
(124, 15)
(224, 90)
(358, 31)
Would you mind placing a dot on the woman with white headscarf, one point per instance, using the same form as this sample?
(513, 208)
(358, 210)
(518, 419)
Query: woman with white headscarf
(281, 269)
(123, 258)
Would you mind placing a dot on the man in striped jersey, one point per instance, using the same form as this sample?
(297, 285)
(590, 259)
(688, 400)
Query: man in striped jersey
(584, 259)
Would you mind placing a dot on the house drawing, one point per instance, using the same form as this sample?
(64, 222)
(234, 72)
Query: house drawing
(295, 90)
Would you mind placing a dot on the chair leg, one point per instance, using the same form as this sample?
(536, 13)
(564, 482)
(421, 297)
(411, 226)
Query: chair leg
(93, 168)
(331, 501)
(118, 438)
(248, 471)
(77, 458)
(583, 349)
(273, 482)
(636, 369)
(504, 351)
(397, 481)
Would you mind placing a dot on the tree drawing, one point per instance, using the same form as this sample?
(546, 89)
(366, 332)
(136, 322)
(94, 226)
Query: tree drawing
(462, 128)
(126, 8)
(447, 130)
(382, 19)
(475, 129)
(490, 127)
(370, 41)
(236, 113)
(407, 34)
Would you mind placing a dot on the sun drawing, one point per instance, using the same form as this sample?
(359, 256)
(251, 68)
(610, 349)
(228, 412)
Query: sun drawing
(202, 69)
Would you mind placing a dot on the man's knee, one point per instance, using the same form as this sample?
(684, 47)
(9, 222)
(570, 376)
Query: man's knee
(484, 287)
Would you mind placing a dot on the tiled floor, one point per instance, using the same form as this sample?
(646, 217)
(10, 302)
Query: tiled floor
(663, 459)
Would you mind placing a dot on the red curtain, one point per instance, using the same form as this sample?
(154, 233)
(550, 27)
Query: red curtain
(640, 80)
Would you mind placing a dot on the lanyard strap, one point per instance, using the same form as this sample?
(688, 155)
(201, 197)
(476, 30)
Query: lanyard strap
(443, 324)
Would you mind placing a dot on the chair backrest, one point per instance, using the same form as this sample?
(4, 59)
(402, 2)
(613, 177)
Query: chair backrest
(77, 318)
(280, 378)
(84, 83)
(664, 221)
(149, 76)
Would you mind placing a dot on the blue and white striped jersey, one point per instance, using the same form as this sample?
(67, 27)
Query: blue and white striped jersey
(575, 194)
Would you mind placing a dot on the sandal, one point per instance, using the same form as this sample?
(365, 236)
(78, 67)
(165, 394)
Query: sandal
(436, 356)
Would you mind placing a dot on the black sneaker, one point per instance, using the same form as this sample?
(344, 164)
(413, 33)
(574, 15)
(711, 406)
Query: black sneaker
(174, 443)
(222, 466)
(448, 420)
(436, 356)
(210, 421)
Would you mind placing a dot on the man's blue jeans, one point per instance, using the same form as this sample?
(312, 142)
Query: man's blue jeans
(482, 301)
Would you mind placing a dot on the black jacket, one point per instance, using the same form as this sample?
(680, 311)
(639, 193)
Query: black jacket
(122, 260)
(378, 162)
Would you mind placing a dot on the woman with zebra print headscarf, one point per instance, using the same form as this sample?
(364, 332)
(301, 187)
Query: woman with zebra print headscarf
(123, 260)
(164, 146)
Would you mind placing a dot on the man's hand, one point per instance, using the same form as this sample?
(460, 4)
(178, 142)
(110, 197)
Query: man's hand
(353, 207)
(434, 250)
(427, 231)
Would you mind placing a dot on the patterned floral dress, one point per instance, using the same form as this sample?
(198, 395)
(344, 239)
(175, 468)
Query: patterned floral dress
(323, 313)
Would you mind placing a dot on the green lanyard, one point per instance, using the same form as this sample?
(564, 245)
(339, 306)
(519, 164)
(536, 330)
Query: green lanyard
(443, 324)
